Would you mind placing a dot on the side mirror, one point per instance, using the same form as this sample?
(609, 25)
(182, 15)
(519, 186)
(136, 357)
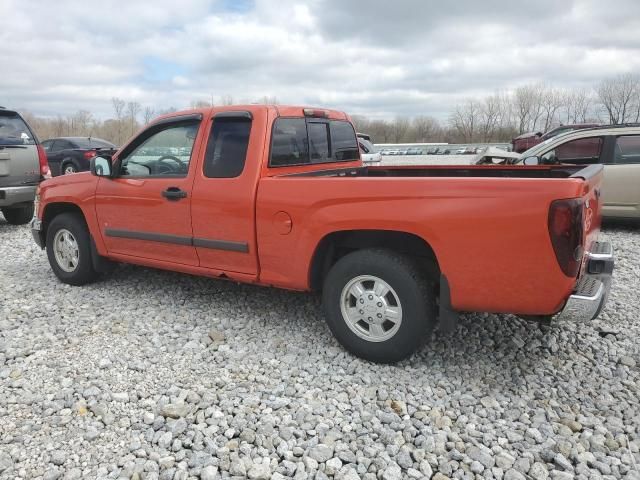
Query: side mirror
(531, 161)
(100, 167)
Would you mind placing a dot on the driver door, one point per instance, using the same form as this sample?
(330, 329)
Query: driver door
(145, 210)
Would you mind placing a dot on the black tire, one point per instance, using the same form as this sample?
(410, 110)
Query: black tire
(18, 215)
(84, 272)
(416, 296)
(68, 164)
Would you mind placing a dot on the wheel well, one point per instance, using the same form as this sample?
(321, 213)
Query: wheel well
(53, 210)
(336, 245)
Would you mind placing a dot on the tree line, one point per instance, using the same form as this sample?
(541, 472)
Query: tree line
(493, 118)
(503, 115)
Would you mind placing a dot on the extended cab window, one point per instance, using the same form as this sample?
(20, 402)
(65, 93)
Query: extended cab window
(299, 141)
(161, 151)
(582, 151)
(289, 143)
(343, 141)
(227, 147)
(628, 149)
(318, 142)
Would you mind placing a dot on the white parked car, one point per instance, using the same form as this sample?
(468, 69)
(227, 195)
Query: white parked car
(369, 154)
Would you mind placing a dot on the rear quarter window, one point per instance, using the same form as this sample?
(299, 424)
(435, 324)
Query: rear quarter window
(344, 145)
(300, 141)
(14, 130)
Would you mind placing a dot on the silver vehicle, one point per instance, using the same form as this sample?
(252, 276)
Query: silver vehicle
(368, 153)
(617, 147)
(23, 164)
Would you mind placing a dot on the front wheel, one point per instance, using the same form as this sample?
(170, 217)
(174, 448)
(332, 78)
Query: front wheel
(379, 304)
(18, 215)
(69, 249)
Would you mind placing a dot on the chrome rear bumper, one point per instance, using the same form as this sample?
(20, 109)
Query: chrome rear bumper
(592, 290)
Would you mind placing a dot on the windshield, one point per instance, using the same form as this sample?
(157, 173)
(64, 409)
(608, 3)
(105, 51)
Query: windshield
(92, 143)
(13, 130)
(536, 148)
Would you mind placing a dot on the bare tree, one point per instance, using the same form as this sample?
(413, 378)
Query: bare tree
(491, 116)
(118, 108)
(424, 129)
(620, 98)
(133, 110)
(226, 100)
(527, 106)
(551, 101)
(399, 129)
(268, 100)
(465, 119)
(147, 114)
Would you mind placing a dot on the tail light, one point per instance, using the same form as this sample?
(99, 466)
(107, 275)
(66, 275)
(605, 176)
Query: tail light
(44, 164)
(88, 155)
(567, 234)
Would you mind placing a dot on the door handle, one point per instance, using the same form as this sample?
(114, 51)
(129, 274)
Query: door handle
(174, 193)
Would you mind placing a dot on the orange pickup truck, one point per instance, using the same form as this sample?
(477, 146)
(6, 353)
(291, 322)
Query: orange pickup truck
(278, 196)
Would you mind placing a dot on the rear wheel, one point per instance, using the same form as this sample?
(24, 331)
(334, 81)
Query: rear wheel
(69, 168)
(18, 215)
(69, 249)
(379, 304)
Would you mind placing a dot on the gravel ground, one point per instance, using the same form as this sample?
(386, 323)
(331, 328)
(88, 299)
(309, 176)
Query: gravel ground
(151, 374)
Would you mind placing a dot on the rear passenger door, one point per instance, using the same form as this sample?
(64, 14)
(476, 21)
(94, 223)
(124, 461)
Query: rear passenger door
(621, 189)
(224, 190)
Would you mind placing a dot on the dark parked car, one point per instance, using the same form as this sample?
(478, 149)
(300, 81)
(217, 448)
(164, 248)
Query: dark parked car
(527, 140)
(72, 154)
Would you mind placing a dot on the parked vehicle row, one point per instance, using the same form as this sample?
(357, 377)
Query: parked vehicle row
(394, 250)
(439, 150)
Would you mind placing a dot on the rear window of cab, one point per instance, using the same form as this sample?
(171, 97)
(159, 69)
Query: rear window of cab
(308, 141)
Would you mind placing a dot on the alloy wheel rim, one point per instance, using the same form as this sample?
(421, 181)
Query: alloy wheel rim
(371, 308)
(66, 250)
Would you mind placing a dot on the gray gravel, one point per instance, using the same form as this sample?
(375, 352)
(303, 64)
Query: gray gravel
(156, 375)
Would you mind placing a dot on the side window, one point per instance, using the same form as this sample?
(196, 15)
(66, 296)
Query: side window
(289, 142)
(164, 150)
(227, 148)
(582, 151)
(627, 149)
(297, 141)
(63, 145)
(343, 141)
(56, 146)
(318, 142)
(46, 145)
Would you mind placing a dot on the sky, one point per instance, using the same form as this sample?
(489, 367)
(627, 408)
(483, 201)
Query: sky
(377, 58)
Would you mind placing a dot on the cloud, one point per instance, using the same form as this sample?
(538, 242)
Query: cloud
(373, 57)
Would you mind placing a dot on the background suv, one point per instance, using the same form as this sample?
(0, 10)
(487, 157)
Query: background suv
(617, 147)
(23, 164)
(72, 154)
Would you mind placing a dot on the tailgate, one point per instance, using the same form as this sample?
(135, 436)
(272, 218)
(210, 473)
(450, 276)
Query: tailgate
(592, 206)
(19, 165)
